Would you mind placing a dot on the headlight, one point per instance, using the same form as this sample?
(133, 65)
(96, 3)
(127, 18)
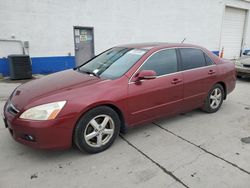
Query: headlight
(238, 63)
(43, 112)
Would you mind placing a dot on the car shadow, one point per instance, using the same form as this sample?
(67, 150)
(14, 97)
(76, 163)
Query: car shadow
(43, 155)
(244, 79)
(167, 120)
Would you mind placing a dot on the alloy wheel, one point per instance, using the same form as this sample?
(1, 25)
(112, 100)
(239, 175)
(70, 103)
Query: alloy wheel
(215, 98)
(99, 131)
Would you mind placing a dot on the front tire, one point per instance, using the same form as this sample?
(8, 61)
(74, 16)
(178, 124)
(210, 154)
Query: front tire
(214, 99)
(97, 130)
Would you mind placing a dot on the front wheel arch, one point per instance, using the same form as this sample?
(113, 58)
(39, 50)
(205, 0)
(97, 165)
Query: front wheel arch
(82, 123)
(123, 127)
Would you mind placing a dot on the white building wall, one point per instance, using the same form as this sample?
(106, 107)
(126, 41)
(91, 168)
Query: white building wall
(48, 24)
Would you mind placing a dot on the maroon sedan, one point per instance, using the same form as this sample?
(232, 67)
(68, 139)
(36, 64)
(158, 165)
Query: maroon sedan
(122, 87)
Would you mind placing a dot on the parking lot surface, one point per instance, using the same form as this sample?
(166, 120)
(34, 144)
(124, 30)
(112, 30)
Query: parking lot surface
(190, 150)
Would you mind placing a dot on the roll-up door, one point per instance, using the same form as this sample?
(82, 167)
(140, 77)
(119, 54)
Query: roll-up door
(232, 32)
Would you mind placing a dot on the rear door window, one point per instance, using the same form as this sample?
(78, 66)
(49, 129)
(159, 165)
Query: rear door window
(192, 58)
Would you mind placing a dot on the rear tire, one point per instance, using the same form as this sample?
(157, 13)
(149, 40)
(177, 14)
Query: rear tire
(97, 129)
(214, 99)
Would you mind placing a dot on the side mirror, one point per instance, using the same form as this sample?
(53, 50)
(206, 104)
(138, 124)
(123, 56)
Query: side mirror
(146, 75)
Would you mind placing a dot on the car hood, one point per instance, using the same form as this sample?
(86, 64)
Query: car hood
(50, 85)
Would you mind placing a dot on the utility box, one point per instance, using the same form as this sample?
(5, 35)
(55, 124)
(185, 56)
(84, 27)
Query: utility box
(20, 67)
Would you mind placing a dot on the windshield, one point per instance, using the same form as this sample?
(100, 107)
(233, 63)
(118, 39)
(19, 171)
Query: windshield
(113, 63)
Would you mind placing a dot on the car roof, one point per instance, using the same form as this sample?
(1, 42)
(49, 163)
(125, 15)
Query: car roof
(158, 45)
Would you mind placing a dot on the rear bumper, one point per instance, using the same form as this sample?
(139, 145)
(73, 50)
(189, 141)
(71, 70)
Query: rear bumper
(51, 134)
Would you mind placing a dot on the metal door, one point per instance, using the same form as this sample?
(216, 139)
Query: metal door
(155, 98)
(233, 32)
(84, 44)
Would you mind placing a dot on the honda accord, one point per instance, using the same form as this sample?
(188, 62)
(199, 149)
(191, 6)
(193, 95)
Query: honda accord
(122, 87)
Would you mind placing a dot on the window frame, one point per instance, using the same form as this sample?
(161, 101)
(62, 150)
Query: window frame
(177, 58)
(179, 62)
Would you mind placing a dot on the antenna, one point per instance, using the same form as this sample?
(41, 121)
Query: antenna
(183, 40)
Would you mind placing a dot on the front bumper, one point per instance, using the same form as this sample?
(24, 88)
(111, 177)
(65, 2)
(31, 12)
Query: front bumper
(49, 134)
(243, 70)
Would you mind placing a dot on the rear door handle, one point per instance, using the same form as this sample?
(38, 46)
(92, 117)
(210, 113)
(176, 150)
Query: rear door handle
(211, 72)
(176, 81)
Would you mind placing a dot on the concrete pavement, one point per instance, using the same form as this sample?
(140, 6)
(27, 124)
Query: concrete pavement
(190, 150)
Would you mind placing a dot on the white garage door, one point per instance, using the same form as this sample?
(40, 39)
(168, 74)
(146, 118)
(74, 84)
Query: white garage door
(232, 32)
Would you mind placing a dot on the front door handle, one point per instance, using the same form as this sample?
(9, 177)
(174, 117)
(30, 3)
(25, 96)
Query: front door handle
(176, 81)
(211, 72)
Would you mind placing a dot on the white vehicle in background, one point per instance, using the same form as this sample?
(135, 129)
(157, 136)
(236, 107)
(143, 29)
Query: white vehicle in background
(243, 65)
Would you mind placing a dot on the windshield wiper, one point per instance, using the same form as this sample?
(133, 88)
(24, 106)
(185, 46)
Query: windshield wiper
(76, 68)
(88, 72)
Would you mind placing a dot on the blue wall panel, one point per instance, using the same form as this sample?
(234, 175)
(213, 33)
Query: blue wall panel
(46, 65)
(43, 65)
(4, 68)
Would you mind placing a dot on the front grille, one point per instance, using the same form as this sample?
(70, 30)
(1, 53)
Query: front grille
(247, 66)
(11, 108)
